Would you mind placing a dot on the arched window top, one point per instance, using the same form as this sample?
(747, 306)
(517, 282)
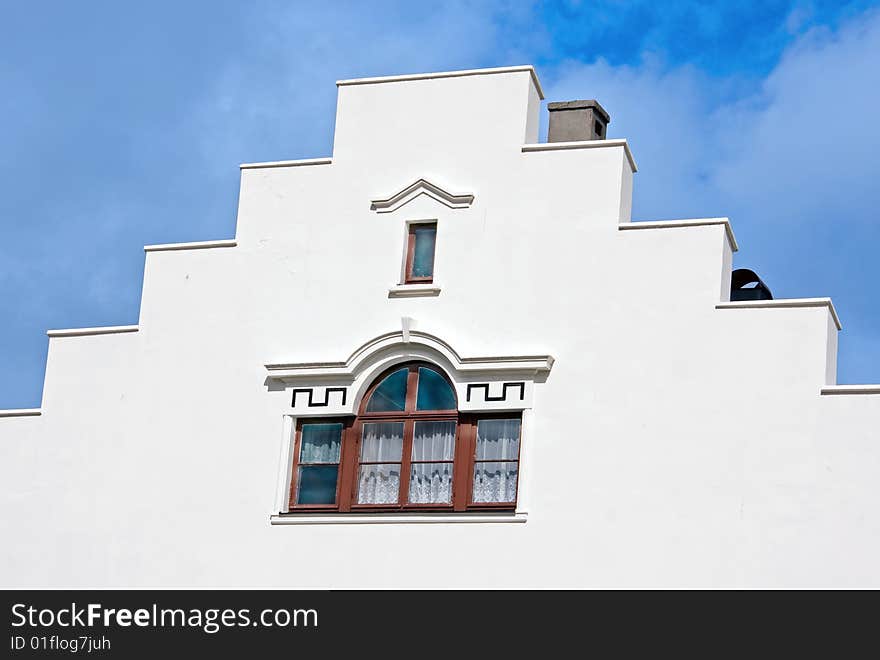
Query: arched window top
(390, 394)
(416, 387)
(434, 392)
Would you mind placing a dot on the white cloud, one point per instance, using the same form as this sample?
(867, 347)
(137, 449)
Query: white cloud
(809, 154)
(792, 159)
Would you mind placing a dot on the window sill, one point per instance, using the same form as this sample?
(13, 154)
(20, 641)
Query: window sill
(414, 290)
(395, 519)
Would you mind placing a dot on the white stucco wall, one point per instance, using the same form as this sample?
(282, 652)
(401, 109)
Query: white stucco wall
(676, 441)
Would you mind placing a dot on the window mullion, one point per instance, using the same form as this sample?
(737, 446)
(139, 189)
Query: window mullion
(406, 461)
(463, 464)
(410, 253)
(412, 386)
(348, 465)
(294, 465)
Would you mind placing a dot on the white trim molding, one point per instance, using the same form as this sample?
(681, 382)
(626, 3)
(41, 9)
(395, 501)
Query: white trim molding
(21, 412)
(503, 382)
(784, 303)
(413, 291)
(583, 144)
(396, 519)
(417, 188)
(82, 332)
(286, 163)
(675, 224)
(474, 365)
(447, 74)
(198, 245)
(850, 389)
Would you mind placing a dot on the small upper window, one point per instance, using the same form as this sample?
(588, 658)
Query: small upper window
(420, 244)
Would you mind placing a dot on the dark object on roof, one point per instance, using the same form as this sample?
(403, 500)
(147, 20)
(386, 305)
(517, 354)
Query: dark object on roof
(746, 285)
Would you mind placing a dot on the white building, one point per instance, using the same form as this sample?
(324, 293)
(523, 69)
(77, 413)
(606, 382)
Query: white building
(652, 432)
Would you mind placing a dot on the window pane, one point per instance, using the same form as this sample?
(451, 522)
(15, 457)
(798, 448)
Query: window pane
(391, 393)
(423, 253)
(498, 439)
(433, 441)
(430, 483)
(434, 392)
(382, 441)
(320, 443)
(495, 482)
(379, 484)
(316, 484)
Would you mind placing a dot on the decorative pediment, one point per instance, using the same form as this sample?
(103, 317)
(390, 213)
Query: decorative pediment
(421, 187)
(501, 382)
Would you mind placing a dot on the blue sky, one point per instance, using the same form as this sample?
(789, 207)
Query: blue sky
(123, 124)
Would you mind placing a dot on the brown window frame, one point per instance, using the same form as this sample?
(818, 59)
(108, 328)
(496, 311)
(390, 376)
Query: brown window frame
(408, 277)
(340, 485)
(463, 460)
(474, 420)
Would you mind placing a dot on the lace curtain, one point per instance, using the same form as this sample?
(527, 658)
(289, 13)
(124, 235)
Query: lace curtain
(320, 443)
(379, 483)
(430, 478)
(496, 466)
(497, 460)
(431, 482)
(495, 482)
(381, 444)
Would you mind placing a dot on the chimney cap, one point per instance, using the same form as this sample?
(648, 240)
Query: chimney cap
(580, 105)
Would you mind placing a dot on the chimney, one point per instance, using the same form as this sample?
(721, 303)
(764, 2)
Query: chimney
(574, 121)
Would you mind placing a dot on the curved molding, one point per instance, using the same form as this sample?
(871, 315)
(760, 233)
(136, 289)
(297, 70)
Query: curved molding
(81, 332)
(674, 224)
(417, 188)
(21, 412)
(784, 303)
(481, 383)
(348, 368)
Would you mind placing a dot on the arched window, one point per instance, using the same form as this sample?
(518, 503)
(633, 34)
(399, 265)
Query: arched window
(408, 448)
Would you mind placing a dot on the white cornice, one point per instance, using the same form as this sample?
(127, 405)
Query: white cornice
(585, 144)
(198, 245)
(673, 224)
(348, 369)
(784, 303)
(446, 74)
(286, 163)
(80, 332)
(421, 187)
(21, 412)
(851, 389)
